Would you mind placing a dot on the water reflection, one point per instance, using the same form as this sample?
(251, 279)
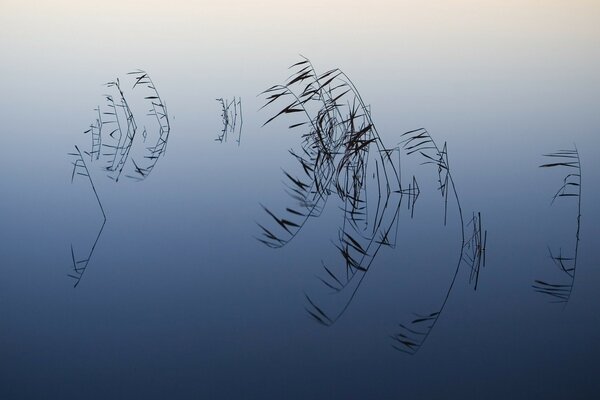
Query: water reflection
(342, 156)
(560, 291)
(80, 265)
(231, 117)
(334, 152)
(115, 139)
(412, 334)
(80, 168)
(157, 110)
(474, 249)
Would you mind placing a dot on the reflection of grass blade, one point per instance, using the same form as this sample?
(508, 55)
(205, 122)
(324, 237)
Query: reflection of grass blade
(80, 266)
(95, 131)
(338, 144)
(358, 260)
(80, 168)
(231, 116)
(474, 255)
(571, 187)
(158, 110)
(420, 141)
(335, 148)
(558, 291)
(411, 337)
(114, 132)
(413, 193)
(122, 148)
(316, 313)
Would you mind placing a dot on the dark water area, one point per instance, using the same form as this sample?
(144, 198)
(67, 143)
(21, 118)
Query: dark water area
(433, 232)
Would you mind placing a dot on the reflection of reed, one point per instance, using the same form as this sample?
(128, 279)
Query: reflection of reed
(96, 134)
(80, 266)
(158, 110)
(80, 168)
(412, 335)
(231, 116)
(336, 158)
(334, 149)
(118, 142)
(358, 253)
(120, 151)
(474, 249)
(560, 292)
(342, 155)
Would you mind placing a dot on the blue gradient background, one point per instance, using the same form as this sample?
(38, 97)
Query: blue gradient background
(180, 300)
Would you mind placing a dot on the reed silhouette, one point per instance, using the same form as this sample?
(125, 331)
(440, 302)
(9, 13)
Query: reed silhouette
(341, 156)
(334, 150)
(231, 116)
(412, 335)
(80, 266)
(560, 292)
(474, 249)
(80, 169)
(113, 138)
(119, 152)
(96, 135)
(157, 110)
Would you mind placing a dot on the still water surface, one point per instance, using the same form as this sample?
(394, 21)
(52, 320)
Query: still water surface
(180, 300)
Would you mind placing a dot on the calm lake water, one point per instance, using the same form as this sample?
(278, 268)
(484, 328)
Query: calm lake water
(173, 296)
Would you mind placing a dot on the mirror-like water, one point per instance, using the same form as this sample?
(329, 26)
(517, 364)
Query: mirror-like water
(410, 210)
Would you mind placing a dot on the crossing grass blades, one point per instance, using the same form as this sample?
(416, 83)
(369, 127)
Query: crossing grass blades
(341, 156)
(114, 135)
(80, 168)
(231, 117)
(569, 161)
(412, 335)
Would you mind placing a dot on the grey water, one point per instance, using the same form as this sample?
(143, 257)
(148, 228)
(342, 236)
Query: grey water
(179, 297)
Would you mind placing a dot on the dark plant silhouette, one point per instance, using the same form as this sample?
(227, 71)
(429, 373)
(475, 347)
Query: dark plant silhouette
(412, 335)
(335, 146)
(95, 132)
(80, 266)
(158, 110)
(341, 155)
(116, 133)
(124, 135)
(113, 138)
(474, 249)
(560, 292)
(80, 168)
(231, 116)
